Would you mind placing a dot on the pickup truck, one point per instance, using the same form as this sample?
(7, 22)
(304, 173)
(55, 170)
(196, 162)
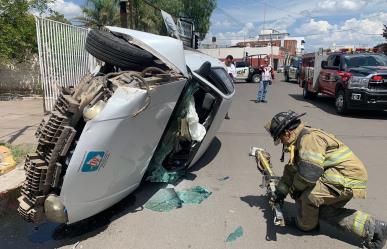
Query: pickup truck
(356, 81)
(246, 72)
(292, 71)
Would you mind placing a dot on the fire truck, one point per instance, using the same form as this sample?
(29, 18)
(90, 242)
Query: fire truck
(356, 78)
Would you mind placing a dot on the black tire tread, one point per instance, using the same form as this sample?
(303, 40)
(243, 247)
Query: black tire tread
(116, 51)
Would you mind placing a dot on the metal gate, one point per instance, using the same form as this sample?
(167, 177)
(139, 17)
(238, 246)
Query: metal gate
(62, 57)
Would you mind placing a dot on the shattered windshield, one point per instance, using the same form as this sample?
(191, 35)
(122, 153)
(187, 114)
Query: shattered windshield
(352, 61)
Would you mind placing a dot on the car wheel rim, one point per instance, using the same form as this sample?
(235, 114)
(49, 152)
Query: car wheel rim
(255, 79)
(340, 102)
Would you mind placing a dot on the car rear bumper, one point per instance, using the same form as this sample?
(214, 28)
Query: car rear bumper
(361, 99)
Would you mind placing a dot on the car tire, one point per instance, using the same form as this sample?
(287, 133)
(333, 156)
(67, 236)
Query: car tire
(306, 93)
(256, 78)
(114, 50)
(341, 104)
(287, 77)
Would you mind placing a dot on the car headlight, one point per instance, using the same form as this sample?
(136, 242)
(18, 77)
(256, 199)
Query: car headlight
(358, 82)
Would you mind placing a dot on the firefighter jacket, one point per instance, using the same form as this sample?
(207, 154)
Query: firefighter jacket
(319, 156)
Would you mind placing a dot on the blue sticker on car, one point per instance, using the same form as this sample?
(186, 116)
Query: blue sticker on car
(93, 161)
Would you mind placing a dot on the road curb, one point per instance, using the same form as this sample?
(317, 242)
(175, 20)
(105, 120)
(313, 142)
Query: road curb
(10, 188)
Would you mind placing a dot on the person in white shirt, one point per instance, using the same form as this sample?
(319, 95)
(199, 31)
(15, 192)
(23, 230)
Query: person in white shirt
(267, 75)
(231, 70)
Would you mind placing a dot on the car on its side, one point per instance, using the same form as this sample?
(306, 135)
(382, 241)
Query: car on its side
(151, 107)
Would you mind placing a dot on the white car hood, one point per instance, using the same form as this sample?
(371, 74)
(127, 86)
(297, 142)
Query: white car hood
(167, 49)
(195, 60)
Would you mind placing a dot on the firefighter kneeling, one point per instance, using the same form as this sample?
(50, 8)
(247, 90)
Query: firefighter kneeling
(322, 175)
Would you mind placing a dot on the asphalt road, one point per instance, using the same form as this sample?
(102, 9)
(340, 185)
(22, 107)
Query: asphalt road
(235, 202)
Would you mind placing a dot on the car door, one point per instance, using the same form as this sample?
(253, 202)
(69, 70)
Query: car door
(328, 77)
(242, 70)
(293, 69)
(224, 91)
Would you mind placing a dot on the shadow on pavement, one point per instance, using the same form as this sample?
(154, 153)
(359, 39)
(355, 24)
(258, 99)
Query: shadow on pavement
(16, 233)
(290, 210)
(327, 104)
(207, 157)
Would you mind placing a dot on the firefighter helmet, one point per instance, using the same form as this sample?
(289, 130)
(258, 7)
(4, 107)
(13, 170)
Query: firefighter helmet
(283, 121)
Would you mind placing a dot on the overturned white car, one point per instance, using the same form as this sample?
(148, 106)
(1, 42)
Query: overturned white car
(152, 109)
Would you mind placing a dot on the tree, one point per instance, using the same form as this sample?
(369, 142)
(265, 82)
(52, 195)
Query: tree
(382, 48)
(200, 12)
(17, 31)
(149, 19)
(56, 16)
(98, 13)
(17, 28)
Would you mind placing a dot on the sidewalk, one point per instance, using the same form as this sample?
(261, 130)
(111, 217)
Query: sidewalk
(19, 120)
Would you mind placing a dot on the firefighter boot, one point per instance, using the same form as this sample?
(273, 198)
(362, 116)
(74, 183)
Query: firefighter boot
(380, 235)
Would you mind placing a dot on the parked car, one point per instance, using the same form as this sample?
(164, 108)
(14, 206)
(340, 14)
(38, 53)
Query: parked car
(292, 71)
(280, 69)
(246, 72)
(355, 80)
(151, 106)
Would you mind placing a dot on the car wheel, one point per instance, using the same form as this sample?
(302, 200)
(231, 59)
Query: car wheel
(256, 78)
(341, 103)
(116, 51)
(308, 94)
(287, 78)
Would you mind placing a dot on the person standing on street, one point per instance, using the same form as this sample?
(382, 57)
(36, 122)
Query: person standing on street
(231, 70)
(229, 63)
(267, 75)
(322, 176)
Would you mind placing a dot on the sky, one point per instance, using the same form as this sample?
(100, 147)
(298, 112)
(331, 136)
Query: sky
(323, 23)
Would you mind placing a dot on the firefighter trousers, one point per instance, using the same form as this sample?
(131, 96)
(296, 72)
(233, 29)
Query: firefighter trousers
(327, 203)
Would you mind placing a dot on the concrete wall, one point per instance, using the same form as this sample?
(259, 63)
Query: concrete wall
(21, 78)
(239, 53)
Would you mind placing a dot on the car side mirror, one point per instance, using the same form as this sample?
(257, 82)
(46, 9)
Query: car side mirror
(204, 70)
(324, 64)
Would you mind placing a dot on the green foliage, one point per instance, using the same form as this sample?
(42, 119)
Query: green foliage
(99, 13)
(382, 48)
(200, 12)
(17, 31)
(145, 17)
(56, 16)
(19, 152)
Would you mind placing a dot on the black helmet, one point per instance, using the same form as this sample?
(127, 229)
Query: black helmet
(283, 121)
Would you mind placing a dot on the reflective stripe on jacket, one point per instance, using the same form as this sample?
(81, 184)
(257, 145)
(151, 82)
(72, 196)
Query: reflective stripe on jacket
(321, 156)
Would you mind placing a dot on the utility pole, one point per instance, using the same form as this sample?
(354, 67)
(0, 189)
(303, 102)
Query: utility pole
(271, 47)
(131, 13)
(264, 16)
(123, 13)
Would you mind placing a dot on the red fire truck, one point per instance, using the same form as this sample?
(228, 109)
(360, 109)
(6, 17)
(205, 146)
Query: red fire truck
(357, 79)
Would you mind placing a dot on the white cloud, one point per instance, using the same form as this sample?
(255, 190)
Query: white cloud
(365, 31)
(68, 8)
(340, 5)
(221, 23)
(314, 27)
